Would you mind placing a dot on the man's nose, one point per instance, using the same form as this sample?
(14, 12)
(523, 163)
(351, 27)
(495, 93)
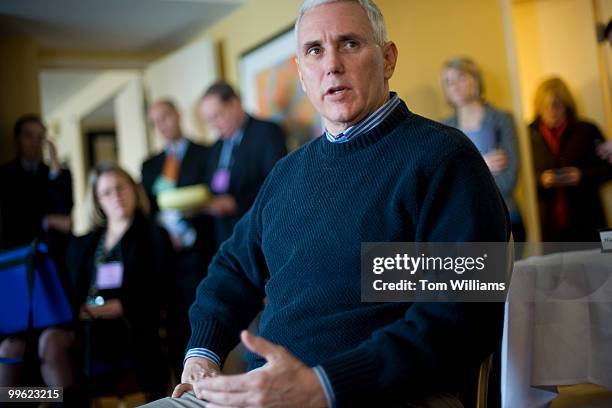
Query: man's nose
(333, 62)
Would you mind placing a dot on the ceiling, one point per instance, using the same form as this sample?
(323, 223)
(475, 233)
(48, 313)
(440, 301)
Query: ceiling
(122, 26)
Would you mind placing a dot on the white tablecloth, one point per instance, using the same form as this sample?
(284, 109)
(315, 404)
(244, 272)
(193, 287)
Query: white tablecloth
(558, 326)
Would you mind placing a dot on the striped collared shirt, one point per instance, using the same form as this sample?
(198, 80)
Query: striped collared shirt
(368, 123)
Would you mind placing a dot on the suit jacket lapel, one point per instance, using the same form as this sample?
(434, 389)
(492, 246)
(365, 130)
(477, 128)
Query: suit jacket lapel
(158, 164)
(86, 263)
(130, 248)
(186, 166)
(239, 155)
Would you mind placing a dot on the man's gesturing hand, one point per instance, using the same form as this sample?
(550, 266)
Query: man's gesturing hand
(283, 382)
(195, 369)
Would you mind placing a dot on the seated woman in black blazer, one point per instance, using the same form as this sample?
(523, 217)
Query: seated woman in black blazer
(119, 271)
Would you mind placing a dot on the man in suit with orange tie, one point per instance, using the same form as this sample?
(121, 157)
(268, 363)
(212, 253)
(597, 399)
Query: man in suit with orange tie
(181, 163)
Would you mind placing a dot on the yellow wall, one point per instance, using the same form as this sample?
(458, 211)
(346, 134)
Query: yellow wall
(19, 92)
(65, 119)
(557, 37)
(254, 22)
(182, 76)
(429, 32)
(603, 14)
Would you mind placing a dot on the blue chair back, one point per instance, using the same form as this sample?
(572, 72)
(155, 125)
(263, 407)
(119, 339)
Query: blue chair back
(31, 294)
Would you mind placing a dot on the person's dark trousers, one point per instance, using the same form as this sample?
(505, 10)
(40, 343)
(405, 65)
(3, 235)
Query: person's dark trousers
(190, 270)
(75, 396)
(494, 385)
(519, 234)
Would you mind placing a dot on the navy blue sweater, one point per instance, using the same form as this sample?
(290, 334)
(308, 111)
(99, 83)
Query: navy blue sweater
(409, 179)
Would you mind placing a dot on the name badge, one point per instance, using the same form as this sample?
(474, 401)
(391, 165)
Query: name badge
(220, 181)
(605, 236)
(110, 275)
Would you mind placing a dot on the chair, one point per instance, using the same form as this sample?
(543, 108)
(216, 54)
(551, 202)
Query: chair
(112, 366)
(486, 367)
(482, 390)
(31, 289)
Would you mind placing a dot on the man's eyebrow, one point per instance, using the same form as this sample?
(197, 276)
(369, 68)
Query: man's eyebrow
(339, 37)
(309, 44)
(352, 36)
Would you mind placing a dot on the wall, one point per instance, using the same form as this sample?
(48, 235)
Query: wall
(59, 85)
(254, 22)
(182, 76)
(557, 37)
(66, 118)
(603, 14)
(427, 33)
(132, 143)
(19, 87)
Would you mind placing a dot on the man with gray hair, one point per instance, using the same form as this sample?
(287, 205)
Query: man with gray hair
(379, 173)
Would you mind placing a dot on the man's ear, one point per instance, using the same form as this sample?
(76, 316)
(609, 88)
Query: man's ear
(390, 55)
(297, 64)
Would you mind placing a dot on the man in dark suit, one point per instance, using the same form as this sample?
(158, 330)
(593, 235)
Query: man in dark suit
(35, 198)
(35, 204)
(241, 159)
(181, 163)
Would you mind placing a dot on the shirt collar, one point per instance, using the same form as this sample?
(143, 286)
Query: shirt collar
(237, 135)
(367, 124)
(179, 148)
(29, 166)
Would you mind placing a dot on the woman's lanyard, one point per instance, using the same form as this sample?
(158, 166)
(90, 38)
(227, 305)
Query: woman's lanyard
(107, 272)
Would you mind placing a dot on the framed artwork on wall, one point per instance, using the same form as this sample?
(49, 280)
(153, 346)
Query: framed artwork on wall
(271, 89)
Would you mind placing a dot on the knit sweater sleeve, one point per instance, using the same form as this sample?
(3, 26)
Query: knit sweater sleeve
(232, 294)
(434, 344)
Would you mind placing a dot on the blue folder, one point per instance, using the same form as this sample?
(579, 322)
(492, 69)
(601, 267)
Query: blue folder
(31, 294)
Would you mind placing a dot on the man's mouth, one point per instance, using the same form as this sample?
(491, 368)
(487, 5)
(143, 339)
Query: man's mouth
(335, 90)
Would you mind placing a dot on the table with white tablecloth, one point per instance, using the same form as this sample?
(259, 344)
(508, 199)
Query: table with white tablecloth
(558, 326)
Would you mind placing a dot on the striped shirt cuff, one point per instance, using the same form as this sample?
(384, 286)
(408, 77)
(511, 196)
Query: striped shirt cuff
(326, 385)
(203, 353)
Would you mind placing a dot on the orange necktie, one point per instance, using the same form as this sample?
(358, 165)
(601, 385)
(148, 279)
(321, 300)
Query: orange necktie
(171, 167)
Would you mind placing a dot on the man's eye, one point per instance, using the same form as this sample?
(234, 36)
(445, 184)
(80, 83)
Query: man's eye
(351, 44)
(313, 51)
